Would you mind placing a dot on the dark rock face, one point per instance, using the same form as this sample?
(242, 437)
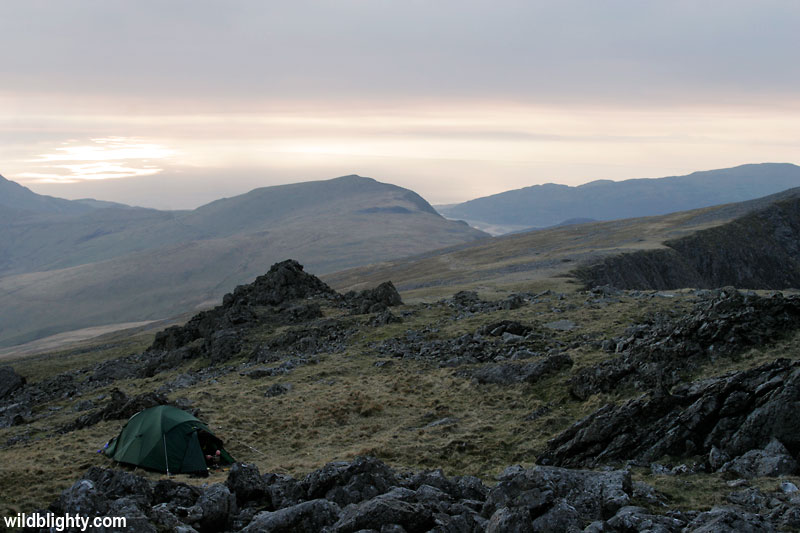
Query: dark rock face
(757, 251)
(654, 354)
(10, 381)
(735, 414)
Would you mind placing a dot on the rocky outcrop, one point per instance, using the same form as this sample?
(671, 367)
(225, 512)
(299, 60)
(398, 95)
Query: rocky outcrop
(656, 353)
(121, 406)
(374, 300)
(284, 283)
(366, 495)
(757, 251)
(724, 416)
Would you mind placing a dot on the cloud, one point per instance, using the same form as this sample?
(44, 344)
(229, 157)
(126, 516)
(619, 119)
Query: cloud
(99, 159)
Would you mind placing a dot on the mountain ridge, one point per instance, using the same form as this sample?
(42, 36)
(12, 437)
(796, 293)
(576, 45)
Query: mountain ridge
(545, 205)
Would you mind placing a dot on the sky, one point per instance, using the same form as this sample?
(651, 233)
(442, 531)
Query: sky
(174, 104)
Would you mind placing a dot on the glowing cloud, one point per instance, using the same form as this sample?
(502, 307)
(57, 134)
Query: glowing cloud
(105, 158)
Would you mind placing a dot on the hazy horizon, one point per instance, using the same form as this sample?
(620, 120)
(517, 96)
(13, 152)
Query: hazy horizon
(174, 105)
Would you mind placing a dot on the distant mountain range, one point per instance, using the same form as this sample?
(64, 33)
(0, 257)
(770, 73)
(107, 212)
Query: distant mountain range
(550, 204)
(66, 265)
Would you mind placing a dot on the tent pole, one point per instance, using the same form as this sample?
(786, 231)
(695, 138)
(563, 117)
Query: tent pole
(166, 460)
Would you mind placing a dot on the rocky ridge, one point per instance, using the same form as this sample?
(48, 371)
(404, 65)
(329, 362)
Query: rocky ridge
(365, 495)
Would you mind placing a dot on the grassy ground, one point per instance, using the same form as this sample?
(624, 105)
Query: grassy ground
(345, 406)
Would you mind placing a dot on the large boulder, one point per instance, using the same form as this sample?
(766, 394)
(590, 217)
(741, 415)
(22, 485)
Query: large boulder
(773, 461)
(214, 509)
(394, 508)
(246, 483)
(345, 483)
(313, 515)
(550, 492)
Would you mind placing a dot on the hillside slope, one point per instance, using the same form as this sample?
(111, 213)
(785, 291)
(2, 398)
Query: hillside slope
(537, 256)
(113, 266)
(550, 204)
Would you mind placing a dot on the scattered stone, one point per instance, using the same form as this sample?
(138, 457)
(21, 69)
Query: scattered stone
(10, 381)
(278, 389)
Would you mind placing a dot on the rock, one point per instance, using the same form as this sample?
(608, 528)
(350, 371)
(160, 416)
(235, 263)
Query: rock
(223, 345)
(773, 461)
(284, 491)
(278, 389)
(374, 300)
(392, 508)
(561, 517)
(10, 382)
(385, 317)
(116, 484)
(787, 487)
(175, 494)
(213, 510)
(689, 421)
(284, 283)
(246, 483)
(448, 421)
(729, 520)
(631, 518)
(505, 519)
(717, 458)
(121, 406)
(137, 519)
(594, 495)
(655, 354)
(313, 515)
(83, 498)
(164, 519)
(346, 483)
(14, 414)
(507, 374)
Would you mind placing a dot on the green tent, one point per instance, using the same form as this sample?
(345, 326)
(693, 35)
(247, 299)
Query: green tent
(166, 439)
